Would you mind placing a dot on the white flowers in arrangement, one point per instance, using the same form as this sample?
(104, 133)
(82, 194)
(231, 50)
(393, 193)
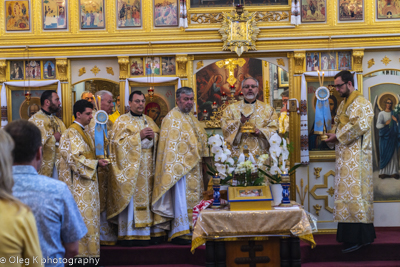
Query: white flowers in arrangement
(279, 154)
(222, 155)
(245, 166)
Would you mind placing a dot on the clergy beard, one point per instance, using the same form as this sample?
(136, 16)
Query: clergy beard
(186, 110)
(53, 108)
(346, 94)
(250, 97)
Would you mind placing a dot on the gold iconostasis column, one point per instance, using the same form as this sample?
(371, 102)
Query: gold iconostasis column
(123, 75)
(357, 59)
(66, 93)
(296, 69)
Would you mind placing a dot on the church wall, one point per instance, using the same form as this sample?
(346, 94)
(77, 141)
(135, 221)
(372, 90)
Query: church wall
(84, 69)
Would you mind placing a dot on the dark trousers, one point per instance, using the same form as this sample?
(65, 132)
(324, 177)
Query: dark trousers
(355, 233)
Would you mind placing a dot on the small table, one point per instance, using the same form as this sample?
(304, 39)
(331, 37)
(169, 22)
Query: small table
(271, 234)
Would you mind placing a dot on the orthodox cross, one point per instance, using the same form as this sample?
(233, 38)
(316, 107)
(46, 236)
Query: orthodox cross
(230, 64)
(252, 260)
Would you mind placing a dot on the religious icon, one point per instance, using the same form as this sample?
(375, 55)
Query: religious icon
(166, 13)
(250, 193)
(229, 3)
(312, 61)
(313, 11)
(351, 10)
(152, 65)
(328, 61)
(156, 109)
(129, 13)
(19, 107)
(168, 66)
(136, 66)
(344, 60)
(385, 139)
(33, 70)
(388, 9)
(92, 14)
(283, 78)
(212, 82)
(17, 15)
(16, 70)
(49, 71)
(54, 14)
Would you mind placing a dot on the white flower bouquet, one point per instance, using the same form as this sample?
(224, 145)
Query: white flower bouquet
(246, 174)
(223, 163)
(279, 153)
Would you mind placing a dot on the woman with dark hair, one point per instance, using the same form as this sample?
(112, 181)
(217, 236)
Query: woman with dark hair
(18, 236)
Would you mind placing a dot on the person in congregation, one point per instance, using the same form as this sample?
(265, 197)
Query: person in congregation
(354, 197)
(261, 115)
(18, 235)
(178, 182)
(51, 129)
(59, 223)
(78, 165)
(101, 141)
(133, 145)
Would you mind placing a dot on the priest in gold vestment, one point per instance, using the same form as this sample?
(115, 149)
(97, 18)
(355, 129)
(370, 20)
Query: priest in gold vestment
(261, 115)
(77, 165)
(104, 101)
(178, 183)
(51, 129)
(353, 207)
(133, 144)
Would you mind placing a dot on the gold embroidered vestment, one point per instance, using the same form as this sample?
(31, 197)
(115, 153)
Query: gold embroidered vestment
(183, 142)
(133, 169)
(78, 169)
(353, 181)
(262, 116)
(47, 125)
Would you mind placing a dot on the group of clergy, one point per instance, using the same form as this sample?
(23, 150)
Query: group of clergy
(145, 181)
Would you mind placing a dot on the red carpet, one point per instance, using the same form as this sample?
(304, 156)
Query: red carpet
(384, 252)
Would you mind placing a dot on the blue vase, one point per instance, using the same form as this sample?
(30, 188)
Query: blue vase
(285, 193)
(216, 196)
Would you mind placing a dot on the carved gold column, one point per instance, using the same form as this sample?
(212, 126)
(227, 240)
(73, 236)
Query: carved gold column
(66, 95)
(3, 70)
(296, 68)
(357, 59)
(123, 75)
(181, 70)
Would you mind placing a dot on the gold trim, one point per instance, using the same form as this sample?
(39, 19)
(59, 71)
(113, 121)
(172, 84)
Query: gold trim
(371, 62)
(133, 237)
(158, 234)
(95, 79)
(324, 185)
(369, 73)
(108, 243)
(322, 155)
(179, 234)
(81, 71)
(280, 83)
(317, 171)
(385, 60)
(325, 231)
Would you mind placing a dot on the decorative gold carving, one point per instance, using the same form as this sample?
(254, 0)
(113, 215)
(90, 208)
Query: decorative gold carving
(3, 67)
(200, 64)
(239, 31)
(299, 60)
(272, 16)
(230, 64)
(357, 56)
(82, 71)
(280, 62)
(302, 192)
(181, 60)
(123, 67)
(110, 70)
(317, 209)
(325, 185)
(385, 60)
(331, 191)
(62, 64)
(371, 62)
(215, 119)
(95, 70)
(267, 92)
(206, 18)
(317, 171)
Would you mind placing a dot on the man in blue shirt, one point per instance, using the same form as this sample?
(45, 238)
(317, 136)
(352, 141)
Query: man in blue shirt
(59, 222)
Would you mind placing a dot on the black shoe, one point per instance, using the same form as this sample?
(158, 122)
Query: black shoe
(181, 241)
(352, 247)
